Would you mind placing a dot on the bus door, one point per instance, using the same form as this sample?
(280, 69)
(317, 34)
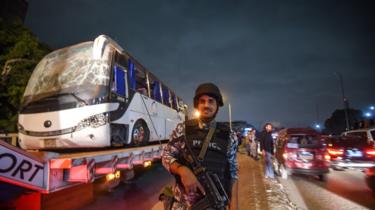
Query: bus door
(119, 94)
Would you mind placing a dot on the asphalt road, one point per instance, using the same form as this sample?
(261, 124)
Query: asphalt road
(139, 194)
(341, 190)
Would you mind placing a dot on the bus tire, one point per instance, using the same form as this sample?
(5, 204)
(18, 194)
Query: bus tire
(140, 133)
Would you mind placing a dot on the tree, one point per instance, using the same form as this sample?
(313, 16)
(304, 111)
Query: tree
(18, 44)
(336, 123)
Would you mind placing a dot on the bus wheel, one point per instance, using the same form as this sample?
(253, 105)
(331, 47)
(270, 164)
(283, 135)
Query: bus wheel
(140, 133)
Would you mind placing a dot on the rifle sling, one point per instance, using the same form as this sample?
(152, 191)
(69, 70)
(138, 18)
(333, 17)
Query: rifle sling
(206, 142)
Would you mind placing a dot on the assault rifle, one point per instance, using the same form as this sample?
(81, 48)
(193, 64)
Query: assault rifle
(216, 197)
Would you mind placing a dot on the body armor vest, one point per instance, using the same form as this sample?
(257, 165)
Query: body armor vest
(216, 158)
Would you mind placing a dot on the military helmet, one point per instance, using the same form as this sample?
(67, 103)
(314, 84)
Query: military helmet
(209, 89)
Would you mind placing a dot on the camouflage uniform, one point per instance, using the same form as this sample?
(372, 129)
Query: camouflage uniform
(172, 151)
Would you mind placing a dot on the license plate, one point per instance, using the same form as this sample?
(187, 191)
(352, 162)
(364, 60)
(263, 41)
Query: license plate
(306, 155)
(49, 142)
(354, 153)
(307, 165)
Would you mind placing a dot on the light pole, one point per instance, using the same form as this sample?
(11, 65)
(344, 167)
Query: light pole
(344, 100)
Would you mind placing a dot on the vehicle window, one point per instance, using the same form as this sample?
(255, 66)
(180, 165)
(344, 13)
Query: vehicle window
(155, 87)
(166, 96)
(140, 81)
(372, 134)
(131, 75)
(302, 141)
(174, 101)
(119, 81)
(70, 68)
(361, 134)
(348, 141)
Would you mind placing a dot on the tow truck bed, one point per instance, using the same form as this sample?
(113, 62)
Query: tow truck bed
(52, 175)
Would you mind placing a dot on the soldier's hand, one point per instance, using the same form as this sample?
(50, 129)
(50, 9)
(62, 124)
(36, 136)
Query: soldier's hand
(190, 181)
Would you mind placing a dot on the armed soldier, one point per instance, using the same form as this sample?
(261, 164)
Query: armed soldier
(213, 147)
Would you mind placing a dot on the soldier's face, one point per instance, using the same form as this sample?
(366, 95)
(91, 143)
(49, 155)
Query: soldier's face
(207, 106)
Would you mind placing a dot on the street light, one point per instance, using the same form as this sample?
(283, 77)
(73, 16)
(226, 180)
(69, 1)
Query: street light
(372, 108)
(368, 114)
(344, 100)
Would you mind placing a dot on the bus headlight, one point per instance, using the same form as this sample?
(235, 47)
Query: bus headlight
(93, 121)
(20, 128)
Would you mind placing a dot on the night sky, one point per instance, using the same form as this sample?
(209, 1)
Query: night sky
(275, 61)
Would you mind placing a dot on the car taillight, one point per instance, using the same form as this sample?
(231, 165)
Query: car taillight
(327, 157)
(370, 152)
(323, 156)
(335, 152)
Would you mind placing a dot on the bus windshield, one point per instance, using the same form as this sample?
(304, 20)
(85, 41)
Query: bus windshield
(69, 70)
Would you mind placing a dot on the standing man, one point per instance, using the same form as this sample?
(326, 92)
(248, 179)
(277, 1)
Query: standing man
(246, 141)
(220, 156)
(254, 144)
(266, 146)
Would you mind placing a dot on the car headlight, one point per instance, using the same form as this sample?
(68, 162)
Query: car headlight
(93, 121)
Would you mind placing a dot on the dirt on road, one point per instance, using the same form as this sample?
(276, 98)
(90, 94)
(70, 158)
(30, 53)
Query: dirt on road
(256, 192)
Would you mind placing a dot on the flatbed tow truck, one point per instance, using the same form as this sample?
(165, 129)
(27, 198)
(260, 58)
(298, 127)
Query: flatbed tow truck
(53, 180)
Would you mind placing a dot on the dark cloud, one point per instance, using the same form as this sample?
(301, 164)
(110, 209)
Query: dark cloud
(274, 60)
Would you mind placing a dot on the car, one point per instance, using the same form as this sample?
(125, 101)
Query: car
(367, 133)
(301, 151)
(350, 152)
(370, 178)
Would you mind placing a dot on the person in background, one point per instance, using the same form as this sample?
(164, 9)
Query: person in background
(247, 143)
(266, 146)
(254, 145)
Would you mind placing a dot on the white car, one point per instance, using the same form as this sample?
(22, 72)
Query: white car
(368, 133)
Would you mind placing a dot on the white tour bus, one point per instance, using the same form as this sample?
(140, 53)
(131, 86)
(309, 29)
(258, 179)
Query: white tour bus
(95, 94)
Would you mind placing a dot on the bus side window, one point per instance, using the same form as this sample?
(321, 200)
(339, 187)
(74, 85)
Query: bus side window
(119, 81)
(132, 75)
(166, 97)
(174, 101)
(156, 91)
(141, 81)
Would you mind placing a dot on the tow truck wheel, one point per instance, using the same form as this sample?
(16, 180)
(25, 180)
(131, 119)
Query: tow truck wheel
(140, 133)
